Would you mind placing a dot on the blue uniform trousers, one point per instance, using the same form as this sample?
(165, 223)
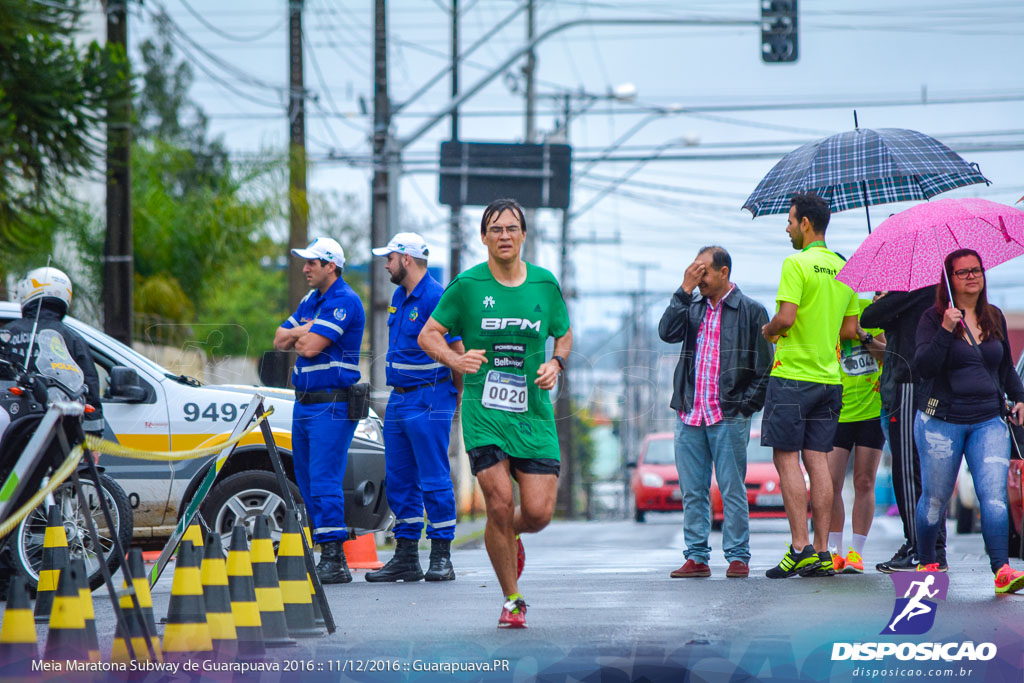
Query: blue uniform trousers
(321, 436)
(417, 426)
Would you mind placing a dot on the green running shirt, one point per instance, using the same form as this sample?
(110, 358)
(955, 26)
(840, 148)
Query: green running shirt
(501, 405)
(861, 400)
(809, 351)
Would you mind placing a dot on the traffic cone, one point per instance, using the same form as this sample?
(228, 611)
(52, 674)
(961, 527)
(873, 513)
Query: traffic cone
(318, 614)
(133, 619)
(67, 638)
(18, 646)
(55, 558)
(268, 590)
(194, 533)
(186, 634)
(217, 597)
(294, 581)
(88, 613)
(246, 612)
(361, 553)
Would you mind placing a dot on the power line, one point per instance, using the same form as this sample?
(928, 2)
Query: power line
(228, 36)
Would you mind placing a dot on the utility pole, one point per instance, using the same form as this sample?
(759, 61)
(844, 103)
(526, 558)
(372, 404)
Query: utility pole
(381, 197)
(118, 248)
(298, 207)
(529, 71)
(563, 404)
(455, 225)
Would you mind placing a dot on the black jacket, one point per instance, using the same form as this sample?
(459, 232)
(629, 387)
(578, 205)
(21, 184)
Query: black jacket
(934, 393)
(745, 356)
(14, 340)
(898, 314)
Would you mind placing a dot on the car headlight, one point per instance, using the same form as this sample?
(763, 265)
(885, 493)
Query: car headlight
(369, 428)
(651, 479)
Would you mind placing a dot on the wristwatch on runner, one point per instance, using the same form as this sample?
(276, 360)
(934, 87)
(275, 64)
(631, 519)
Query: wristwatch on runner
(560, 361)
(867, 338)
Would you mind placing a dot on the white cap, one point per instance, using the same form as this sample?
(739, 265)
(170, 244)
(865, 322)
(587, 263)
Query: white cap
(323, 248)
(405, 243)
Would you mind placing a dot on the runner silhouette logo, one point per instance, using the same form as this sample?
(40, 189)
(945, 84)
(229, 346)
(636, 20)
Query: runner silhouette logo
(917, 594)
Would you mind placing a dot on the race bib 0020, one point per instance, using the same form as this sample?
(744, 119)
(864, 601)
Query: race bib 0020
(505, 391)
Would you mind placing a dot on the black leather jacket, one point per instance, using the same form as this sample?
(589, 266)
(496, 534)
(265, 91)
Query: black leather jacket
(745, 356)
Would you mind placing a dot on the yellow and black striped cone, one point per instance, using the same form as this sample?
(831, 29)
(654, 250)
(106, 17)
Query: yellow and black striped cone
(186, 634)
(318, 614)
(134, 620)
(246, 612)
(88, 613)
(194, 533)
(294, 581)
(217, 597)
(55, 558)
(268, 590)
(67, 639)
(18, 646)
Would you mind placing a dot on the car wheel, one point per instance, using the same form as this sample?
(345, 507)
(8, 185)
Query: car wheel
(638, 514)
(964, 518)
(240, 498)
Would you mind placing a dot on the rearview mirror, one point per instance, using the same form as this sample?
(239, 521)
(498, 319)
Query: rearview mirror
(126, 385)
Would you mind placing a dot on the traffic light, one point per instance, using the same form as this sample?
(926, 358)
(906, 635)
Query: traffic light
(779, 31)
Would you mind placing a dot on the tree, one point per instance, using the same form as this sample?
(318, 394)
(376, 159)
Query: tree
(53, 99)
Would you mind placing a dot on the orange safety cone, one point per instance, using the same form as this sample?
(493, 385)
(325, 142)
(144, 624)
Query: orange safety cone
(268, 589)
(88, 613)
(67, 639)
(55, 558)
(187, 635)
(246, 612)
(217, 596)
(294, 581)
(18, 645)
(361, 553)
(318, 614)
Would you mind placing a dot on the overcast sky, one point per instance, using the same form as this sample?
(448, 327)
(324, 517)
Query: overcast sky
(863, 54)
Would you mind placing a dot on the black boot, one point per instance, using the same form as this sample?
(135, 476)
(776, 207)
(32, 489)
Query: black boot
(440, 561)
(404, 565)
(333, 568)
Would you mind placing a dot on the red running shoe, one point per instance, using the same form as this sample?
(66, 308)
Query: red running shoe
(513, 614)
(520, 557)
(1009, 580)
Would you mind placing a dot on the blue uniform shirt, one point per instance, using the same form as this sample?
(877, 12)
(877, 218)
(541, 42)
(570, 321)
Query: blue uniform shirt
(407, 364)
(338, 316)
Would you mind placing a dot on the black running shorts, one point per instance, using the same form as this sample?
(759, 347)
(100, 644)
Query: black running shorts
(487, 456)
(801, 415)
(866, 433)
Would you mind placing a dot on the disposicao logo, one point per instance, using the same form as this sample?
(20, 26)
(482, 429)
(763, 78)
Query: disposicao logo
(917, 594)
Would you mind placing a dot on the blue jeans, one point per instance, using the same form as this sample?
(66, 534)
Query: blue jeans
(986, 446)
(725, 445)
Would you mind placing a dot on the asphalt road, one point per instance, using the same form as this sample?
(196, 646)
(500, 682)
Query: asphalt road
(600, 596)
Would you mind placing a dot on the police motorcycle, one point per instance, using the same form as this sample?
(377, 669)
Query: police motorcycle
(26, 394)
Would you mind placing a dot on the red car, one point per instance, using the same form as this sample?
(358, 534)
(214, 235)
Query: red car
(655, 481)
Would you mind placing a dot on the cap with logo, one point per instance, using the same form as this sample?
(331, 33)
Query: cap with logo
(405, 243)
(323, 248)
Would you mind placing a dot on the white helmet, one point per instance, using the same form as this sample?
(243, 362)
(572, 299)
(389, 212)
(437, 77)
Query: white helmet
(45, 284)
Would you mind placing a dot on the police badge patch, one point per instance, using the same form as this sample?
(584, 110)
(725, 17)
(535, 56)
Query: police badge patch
(340, 314)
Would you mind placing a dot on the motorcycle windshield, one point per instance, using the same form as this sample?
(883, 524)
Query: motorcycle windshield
(54, 360)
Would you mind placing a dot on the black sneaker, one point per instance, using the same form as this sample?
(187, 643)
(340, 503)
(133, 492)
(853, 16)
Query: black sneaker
(824, 568)
(905, 560)
(793, 563)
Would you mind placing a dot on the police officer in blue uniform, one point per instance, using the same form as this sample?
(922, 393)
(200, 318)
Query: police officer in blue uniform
(326, 331)
(418, 421)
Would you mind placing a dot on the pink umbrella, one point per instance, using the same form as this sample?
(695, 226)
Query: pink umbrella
(907, 250)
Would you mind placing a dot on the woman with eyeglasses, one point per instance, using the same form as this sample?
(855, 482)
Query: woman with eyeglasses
(966, 370)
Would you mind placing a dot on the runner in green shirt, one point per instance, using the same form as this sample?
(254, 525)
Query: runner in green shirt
(804, 391)
(860, 433)
(504, 310)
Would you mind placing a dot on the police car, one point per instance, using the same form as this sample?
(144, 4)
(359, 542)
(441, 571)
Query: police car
(149, 408)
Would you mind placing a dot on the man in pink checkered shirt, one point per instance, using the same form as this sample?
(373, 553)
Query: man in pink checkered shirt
(720, 381)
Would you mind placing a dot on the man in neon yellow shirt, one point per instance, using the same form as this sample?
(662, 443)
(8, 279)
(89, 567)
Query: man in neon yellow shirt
(805, 392)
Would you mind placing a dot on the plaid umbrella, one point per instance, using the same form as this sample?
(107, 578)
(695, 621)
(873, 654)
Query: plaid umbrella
(863, 167)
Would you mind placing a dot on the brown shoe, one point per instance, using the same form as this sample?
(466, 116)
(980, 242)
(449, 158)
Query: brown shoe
(691, 570)
(737, 570)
